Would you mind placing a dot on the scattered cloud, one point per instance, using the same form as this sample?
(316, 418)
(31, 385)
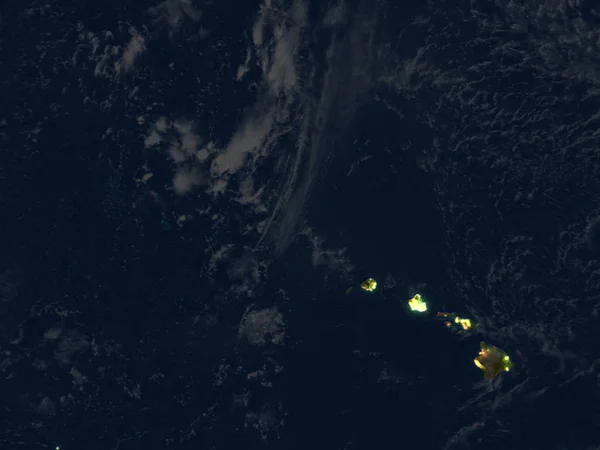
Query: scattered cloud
(179, 140)
(70, 345)
(8, 286)
(217, 256)
(174, 12)
(185, 180)
(263, 326)
(135, 47)
(46, 407)
(52, 333)
(267, 421)
(249, 137)
(334, 259)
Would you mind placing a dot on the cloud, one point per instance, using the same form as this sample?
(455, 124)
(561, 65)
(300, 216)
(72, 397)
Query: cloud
(279, 65)
(135, 47)
(46, 407)
(52, 333)
(249, 137)
(69, 346)
(173, 12)
(334, 259)
(263, 326)
(185, 180)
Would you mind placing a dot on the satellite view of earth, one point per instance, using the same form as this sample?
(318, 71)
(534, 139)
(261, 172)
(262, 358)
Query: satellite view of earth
(193, 191)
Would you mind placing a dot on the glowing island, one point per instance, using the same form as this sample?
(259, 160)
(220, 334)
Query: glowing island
(451, 320)
(492, 361)
(369, 285)
(417, 304)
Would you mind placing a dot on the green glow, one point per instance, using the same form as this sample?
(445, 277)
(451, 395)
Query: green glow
(492, 361)
(417, 304)
(465, 323)
(369, 285)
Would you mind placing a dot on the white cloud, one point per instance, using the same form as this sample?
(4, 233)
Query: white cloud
(218, 256)
(152, 139)
(161, 124)
(282, 73)
(248, 138)
(46, 407)
(334, 259)
(52, 333)
(263, 326)
(176, 153)
(279, 67)
(185, 180)
(189, 140)
(173, 12)
(69, 346)
(247, 193)
(201, 155)
(135, 47)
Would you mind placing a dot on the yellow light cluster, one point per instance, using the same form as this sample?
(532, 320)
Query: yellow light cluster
(369, 285)
(417, 304)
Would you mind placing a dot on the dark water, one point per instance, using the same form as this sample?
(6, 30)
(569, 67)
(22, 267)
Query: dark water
(361, 370)
(384, 215)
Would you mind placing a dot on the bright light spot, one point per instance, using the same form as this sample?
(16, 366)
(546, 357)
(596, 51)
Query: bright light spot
(369, 285)
(417, 304)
